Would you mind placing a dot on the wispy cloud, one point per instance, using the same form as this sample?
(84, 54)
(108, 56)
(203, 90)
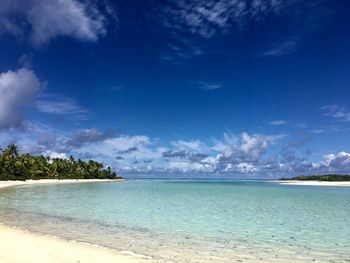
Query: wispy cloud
(62, 106)
(180, 48)
(205, 19)
(337, 112)
(211, 85)
(283, 48)
(278, 122)
(207, 85)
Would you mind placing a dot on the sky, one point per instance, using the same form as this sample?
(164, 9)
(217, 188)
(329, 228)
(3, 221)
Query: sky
(224, 88)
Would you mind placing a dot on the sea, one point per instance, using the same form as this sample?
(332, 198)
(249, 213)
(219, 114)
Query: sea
(191, 220)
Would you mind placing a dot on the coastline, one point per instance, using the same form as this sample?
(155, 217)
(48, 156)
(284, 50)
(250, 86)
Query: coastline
(5, 184)
(22, 244)
(313, 183)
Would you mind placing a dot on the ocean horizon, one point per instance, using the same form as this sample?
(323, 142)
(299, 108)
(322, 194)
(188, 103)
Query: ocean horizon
(192, 220)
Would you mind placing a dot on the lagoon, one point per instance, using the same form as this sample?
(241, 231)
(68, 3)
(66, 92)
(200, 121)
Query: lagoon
(191, 220)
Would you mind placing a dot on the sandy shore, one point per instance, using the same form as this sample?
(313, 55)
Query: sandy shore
(20, 246)
(4, 184)
(314, 183)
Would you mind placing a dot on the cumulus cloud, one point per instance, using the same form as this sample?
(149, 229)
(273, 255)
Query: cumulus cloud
(192, 157)
(251, 149)
(18, 89)
(129, 150)
(289, 150)
(171, 154)
(85, 136)
(246, 154)
(47, 139)
(46, 20)
(54, 155)
(338, 162)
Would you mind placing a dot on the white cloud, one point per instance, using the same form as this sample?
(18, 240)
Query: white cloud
(49, 19)
(221, 145)
(278, 122)
(18, 89)
(192, 145)
(338, 162)
(62, 106)
(205, 85)
(247, 155)
(210, 18)
(250, 149)
(282, 48)
(246, 168)
(336, 112)
(188, 167)
(54, 155)
(207, 18)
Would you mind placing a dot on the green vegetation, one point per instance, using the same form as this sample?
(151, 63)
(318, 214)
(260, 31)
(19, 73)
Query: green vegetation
(326, 177)
(15, 166)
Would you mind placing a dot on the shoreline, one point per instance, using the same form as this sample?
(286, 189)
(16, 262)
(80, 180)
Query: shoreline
(6, 184)
(22, 244)
(313, 183)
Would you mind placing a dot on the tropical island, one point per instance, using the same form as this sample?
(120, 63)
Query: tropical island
(326, 178)
(15, 166)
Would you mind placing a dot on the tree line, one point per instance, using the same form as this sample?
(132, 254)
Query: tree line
(16, 166)
(325, 177)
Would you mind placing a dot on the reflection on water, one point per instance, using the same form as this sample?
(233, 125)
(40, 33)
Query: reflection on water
(192, 221)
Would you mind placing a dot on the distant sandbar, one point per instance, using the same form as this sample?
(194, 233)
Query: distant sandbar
(313, 183)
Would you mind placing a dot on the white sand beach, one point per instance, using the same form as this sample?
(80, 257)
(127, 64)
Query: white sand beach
(19, 246)
(4, 184)
(313, 183)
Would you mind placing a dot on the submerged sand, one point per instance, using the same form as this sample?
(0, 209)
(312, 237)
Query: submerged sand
(21, 246)
(313, 183)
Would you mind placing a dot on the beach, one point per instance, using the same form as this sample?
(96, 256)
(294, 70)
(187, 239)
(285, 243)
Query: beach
(176, 221)
(19, 246)
(4, 184)
(25, 246)
(314, 183)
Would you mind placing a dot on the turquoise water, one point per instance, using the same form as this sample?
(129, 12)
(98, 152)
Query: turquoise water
(192, 220)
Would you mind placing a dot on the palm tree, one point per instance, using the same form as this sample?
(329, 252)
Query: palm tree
(14, 166)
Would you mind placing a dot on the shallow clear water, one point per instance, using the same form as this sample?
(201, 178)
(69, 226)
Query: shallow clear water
(192, 220)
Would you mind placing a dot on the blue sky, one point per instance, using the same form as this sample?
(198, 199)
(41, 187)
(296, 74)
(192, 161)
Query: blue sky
(238, 88)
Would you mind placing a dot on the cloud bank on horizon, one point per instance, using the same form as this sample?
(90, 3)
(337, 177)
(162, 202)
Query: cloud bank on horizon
(209, 77)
